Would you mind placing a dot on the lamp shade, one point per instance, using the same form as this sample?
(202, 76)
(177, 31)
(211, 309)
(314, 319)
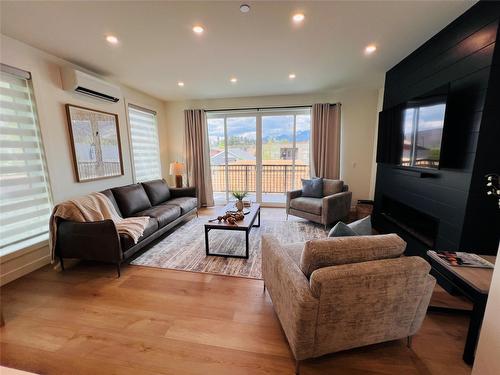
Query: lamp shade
(176, 168)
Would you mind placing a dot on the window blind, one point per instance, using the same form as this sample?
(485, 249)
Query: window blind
(25, 200)
(144, 141)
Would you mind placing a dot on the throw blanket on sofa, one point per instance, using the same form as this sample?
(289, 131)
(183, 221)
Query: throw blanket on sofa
(94, 207)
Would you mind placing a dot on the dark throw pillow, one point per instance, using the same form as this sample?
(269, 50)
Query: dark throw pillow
(312, 188)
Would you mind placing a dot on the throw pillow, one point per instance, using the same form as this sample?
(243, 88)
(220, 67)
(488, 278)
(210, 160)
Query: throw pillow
(312, 188)
(362, 227)
(341, 230)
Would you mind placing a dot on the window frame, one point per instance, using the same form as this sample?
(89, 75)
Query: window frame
(258, 113)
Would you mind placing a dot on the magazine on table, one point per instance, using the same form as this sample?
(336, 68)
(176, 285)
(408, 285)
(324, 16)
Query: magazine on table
(462, 259)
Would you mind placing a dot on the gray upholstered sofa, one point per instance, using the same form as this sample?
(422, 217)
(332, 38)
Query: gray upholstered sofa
(340, 293)
(332, 207)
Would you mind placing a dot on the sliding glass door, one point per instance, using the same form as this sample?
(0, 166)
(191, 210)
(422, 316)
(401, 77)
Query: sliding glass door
(264, 153)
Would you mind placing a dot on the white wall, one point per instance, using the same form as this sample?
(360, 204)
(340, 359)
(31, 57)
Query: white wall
(51, 100)
(359, 113)
(487, 360)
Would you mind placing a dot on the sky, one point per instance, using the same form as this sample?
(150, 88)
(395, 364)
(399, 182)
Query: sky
(272, 126)
(430, 117)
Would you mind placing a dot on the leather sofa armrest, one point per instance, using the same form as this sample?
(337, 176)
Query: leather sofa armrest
(336, 206)
(183, 192)
(97, 240)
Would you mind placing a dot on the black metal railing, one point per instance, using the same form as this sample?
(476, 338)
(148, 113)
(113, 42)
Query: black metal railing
(424, 163)
(275, 178)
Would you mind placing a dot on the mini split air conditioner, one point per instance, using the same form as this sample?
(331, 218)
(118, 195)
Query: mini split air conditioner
(76, 81)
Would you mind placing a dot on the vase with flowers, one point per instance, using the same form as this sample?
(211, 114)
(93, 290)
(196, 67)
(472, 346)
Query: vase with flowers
(239, 195)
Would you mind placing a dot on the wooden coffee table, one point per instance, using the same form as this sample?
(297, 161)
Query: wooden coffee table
(244, 226)
(473, 283)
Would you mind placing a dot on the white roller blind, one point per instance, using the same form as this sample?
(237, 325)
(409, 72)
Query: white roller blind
(145, 146)
(25, 201)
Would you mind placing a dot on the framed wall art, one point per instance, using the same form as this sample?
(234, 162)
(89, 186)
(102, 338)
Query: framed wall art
(95, 143)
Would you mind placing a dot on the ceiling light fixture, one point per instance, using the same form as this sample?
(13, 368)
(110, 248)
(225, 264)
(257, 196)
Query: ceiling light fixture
(198, 29)
(244, 8)
(297, 18)
(234, 80)
(291, 76)
(370, 49)
(112, 39)
(180, 84)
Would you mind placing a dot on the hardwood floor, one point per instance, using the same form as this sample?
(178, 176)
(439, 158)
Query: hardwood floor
(154, 321)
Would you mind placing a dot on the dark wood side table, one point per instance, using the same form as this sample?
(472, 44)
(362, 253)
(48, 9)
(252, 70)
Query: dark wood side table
(244, 226)
(473, 283)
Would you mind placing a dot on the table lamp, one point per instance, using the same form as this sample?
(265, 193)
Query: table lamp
(177, 169)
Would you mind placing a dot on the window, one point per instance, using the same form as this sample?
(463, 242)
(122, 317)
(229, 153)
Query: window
(263, 152)
(144, 143)
(25, 201)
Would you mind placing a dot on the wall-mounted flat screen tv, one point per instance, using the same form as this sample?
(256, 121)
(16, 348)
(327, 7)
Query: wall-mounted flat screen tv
(422, 128)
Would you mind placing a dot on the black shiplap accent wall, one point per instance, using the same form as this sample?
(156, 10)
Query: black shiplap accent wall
(466, 57)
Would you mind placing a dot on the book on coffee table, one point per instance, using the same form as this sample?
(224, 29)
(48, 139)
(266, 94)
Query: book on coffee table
(462, 259)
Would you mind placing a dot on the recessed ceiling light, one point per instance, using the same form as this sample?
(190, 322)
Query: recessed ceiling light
(299, 17)
(244, 8)
(112, 39)
(180, 84)
(198, 29)
(370, 49)
(291, 76)
(234, 80)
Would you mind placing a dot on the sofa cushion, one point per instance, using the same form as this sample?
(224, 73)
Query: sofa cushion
(331, 187)
(164, 213)
(157, 191)
(307, 204)
(186, 204)
(109, 194)
(312, 188)
(127, 242)
(344, 250)
(131, 199)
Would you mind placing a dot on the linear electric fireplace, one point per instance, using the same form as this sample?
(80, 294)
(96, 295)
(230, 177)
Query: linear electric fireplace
(421, 226)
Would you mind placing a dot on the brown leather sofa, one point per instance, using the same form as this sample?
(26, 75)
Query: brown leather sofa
(100, 240)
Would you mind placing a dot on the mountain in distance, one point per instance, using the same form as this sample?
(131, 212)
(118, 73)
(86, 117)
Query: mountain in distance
(302, 136)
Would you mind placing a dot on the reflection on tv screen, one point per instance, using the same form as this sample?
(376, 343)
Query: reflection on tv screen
(423, 131)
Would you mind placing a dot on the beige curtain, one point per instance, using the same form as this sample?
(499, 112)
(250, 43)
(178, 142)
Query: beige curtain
(325, 141)
(197, 153)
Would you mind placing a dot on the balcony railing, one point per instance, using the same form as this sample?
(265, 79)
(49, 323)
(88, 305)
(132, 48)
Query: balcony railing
(95, 169)
(424, 163)
(242, 177)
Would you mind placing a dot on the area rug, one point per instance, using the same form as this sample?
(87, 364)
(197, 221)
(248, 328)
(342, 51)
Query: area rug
(184, 249)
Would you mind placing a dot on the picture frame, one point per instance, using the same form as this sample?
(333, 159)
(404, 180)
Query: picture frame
(95, 143)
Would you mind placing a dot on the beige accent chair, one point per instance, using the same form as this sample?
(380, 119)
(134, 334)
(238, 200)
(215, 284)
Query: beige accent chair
(340, 293)
(332, 207)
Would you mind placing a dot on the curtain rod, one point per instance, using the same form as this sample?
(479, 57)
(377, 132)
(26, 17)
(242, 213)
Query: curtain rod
(260, 108)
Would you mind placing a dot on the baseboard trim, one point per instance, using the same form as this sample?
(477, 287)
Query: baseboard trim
(24, 270)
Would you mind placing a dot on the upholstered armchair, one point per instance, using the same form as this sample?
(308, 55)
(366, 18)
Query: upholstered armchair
(346, 292)
(332, 207)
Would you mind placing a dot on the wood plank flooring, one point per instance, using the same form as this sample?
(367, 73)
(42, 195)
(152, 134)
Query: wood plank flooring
(154, 321)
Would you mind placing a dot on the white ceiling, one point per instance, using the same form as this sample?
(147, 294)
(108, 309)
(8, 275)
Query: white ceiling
(158, 48)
